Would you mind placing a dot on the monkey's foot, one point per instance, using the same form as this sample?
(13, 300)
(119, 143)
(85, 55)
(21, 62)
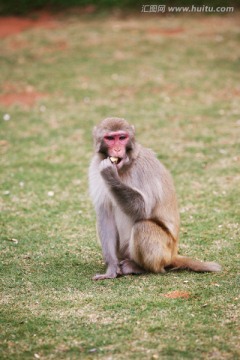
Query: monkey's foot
(130, 267)
(104, 276)
(111, 273)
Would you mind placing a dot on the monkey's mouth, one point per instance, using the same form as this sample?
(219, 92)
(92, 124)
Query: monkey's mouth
(115, 160)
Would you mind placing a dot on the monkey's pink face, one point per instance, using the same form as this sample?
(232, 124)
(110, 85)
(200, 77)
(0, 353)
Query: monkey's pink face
(116, 142)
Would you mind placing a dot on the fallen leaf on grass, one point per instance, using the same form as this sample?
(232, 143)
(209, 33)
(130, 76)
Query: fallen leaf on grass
(177, 294)
(15, 241)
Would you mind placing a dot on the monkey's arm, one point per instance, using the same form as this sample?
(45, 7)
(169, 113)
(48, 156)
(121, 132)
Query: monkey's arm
(129, 199)
(107, 233)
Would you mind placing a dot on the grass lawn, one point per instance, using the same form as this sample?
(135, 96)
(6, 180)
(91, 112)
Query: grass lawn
(177, 79)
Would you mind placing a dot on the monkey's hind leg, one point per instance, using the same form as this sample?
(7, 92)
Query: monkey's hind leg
(150, 246)
(129, 267)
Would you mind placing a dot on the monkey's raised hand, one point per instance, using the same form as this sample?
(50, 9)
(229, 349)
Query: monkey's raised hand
(108, 171)
(106, 164)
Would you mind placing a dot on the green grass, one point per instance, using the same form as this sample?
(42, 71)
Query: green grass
(182, 93)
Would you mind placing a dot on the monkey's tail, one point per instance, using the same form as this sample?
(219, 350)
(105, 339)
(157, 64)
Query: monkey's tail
(183, 262)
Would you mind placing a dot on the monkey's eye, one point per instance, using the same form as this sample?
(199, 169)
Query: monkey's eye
(109, 137)
(122, 137)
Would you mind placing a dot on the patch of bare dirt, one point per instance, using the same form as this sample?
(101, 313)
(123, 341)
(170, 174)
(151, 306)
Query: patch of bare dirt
(166, 32)
(12, 25)
(22, 98)
(177, 294)
(16, 95)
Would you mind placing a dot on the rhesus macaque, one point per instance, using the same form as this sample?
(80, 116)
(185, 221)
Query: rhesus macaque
(136, 206)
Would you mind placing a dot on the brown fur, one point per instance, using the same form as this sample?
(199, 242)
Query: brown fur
(136, 206)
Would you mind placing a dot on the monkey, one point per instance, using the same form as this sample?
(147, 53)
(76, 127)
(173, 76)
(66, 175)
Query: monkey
(136, 206)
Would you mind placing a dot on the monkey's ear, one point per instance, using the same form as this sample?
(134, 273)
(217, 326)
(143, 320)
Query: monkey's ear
(132, 126)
